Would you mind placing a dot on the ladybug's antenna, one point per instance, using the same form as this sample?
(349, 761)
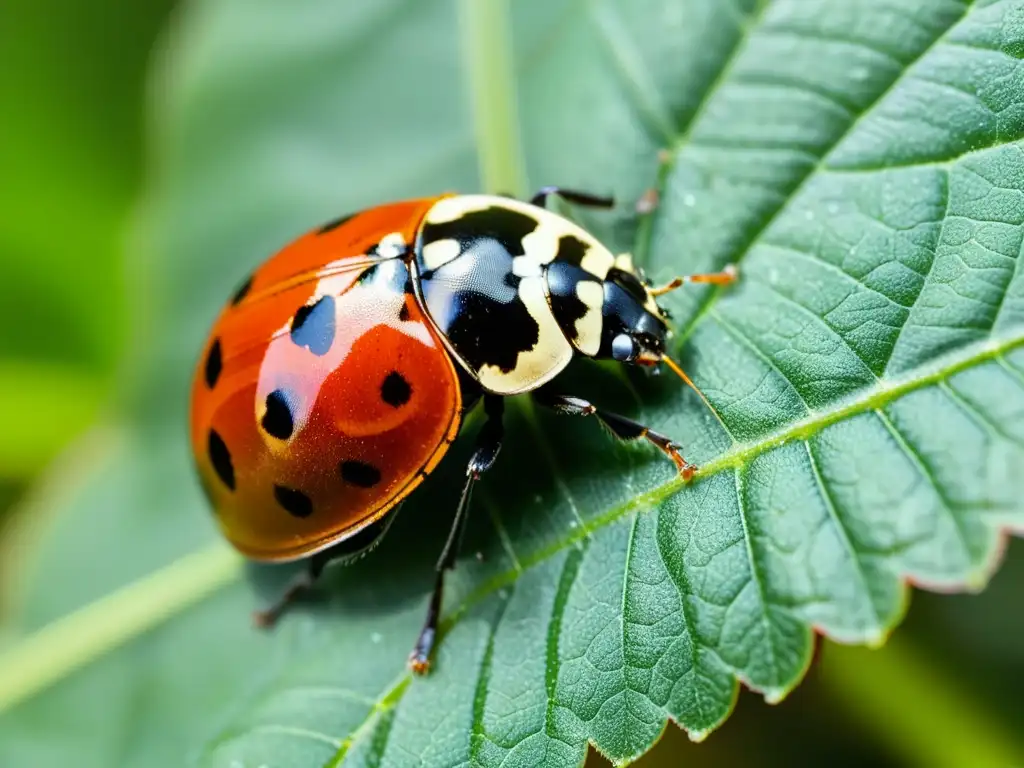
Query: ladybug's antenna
(674, 366)
(724, 277)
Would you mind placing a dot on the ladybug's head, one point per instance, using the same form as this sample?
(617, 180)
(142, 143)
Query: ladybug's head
(634, 327)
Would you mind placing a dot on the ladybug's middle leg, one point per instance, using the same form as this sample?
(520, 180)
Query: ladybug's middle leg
(620, 426)
(488, 443)
(573, 196)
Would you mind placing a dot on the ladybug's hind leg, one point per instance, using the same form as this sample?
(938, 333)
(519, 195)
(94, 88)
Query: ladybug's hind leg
(488, 444)
(343, 552)
(620, 426)
(298, 586)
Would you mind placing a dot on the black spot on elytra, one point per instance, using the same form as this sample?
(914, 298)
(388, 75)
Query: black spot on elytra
(277, 420)
(403, 313)
(486, 332)
(220, 458)
(334, 224)
(395, 390)
(295, 503)
(505, 225)
(214, 364)
(313, 326)
(571, 250)
(242, 292)
(359, 473)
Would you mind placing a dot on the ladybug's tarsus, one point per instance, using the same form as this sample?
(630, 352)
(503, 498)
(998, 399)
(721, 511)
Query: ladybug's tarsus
(301, 583)
(620, 426)
(648, 201)
(488, 445)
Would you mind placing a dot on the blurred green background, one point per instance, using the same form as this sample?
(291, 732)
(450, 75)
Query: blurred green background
(73, 163)
(71, 148)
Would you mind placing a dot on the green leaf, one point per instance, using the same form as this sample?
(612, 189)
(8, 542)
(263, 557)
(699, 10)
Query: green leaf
(862, 162)
(71, 158)
(41, 405)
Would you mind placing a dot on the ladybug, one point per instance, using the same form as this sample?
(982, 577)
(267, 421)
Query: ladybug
(340, 372)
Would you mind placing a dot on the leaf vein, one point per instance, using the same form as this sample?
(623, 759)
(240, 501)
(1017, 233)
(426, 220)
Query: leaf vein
(685, 132)
(915, 458)
(833, 268)
(684, 590)
(987, 425)
(828, 327)
(747, 342)
(757, 578)
(844, 533)
(931, 267)
(822, 162)
(478, 734)
(552, 662)
(631, 70)
(1014, 277)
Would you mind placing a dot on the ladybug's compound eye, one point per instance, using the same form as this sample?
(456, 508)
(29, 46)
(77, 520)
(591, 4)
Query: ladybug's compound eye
(624, 349)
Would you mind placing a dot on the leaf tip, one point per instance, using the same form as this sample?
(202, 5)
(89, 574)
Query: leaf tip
(775, 695)
(698, 735)
(875, 640)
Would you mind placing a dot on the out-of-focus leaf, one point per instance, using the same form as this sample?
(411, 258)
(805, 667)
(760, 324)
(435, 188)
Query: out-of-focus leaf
(40, 406)
(862, 162)
(71, 78)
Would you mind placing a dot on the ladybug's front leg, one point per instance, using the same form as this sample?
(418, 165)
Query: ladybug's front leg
(488, 443)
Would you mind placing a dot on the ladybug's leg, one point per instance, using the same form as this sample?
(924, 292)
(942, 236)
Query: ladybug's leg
(488, 443)
(303, 581)
(726, 276)
(579, 198)
(344, 552)
(620, 426)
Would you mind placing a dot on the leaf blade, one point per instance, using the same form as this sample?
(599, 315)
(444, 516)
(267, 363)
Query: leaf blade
(839, 474)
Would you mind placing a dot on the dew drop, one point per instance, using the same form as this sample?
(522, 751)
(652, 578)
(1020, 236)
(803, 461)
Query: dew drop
(689, 200)
(376, 637)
